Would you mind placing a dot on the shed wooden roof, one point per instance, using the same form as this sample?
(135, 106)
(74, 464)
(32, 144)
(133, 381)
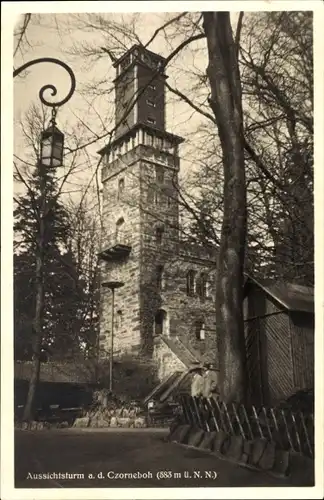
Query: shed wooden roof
(293, 297)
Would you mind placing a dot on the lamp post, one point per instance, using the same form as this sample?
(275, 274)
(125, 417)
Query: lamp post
(52, 139)
(51, 157)
(112, 285)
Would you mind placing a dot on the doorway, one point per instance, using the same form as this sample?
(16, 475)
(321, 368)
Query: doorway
(160, 323)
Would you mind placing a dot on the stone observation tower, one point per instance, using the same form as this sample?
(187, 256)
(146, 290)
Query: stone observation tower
(164, 311)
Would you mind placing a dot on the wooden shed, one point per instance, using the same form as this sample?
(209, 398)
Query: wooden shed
(279, 339)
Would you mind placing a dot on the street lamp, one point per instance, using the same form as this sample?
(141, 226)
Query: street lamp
(51, 156)
(112, 285)
(52, 144)
(52, 139)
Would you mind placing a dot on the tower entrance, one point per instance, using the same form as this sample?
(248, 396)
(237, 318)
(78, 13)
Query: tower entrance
(160, 323)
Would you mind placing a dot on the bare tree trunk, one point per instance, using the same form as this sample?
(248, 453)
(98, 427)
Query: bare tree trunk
(226, 103)
(29, 409)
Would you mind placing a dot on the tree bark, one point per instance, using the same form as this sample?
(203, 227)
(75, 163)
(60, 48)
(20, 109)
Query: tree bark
(29, 409)
(226, 104)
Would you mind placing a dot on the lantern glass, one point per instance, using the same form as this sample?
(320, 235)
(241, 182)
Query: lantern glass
(52, 142)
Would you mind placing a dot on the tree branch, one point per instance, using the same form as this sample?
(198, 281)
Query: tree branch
(238, 33)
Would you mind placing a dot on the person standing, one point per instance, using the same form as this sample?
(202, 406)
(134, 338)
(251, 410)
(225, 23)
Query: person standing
(210, 382)
(197, 384)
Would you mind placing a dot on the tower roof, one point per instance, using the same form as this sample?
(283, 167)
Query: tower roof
(140, 48)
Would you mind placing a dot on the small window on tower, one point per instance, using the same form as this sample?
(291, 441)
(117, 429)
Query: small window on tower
(159, 174)
(151, 103)
(156, 197)
(150, 195)
(119, 230)
(119, 319)
(151, 86)
(191, 282)
(152, 121)
(121, 187)
(160, 277)
(159, 235)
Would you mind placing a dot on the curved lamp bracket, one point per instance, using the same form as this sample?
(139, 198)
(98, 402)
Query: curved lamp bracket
(50, 87)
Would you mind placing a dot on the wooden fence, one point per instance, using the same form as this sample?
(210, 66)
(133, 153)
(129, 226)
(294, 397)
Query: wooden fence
(290, 431)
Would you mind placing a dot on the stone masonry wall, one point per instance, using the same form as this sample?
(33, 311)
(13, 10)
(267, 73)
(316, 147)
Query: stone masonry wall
(181, 311)
(127, 269)
(126, 310)
(165, 360)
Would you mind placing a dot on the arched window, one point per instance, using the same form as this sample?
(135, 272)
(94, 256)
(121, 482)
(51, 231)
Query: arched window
(121, 187)
(119, 319)
(120, 229)
(200, 330)
(191, 282)
(160, 323)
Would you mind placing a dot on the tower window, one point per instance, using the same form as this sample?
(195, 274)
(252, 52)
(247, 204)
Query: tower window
(121, 187)
(159, 174)
(191, 280)
(119, 319)
(159, 235)
(208, 289)
(119, 234)
(157, 197)
(151, 86)
(200, 330)
(151, 120)
(150, 103)
(150, 195)
(202, 286)
(159, 278)
(153, 197)
(160, 323)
